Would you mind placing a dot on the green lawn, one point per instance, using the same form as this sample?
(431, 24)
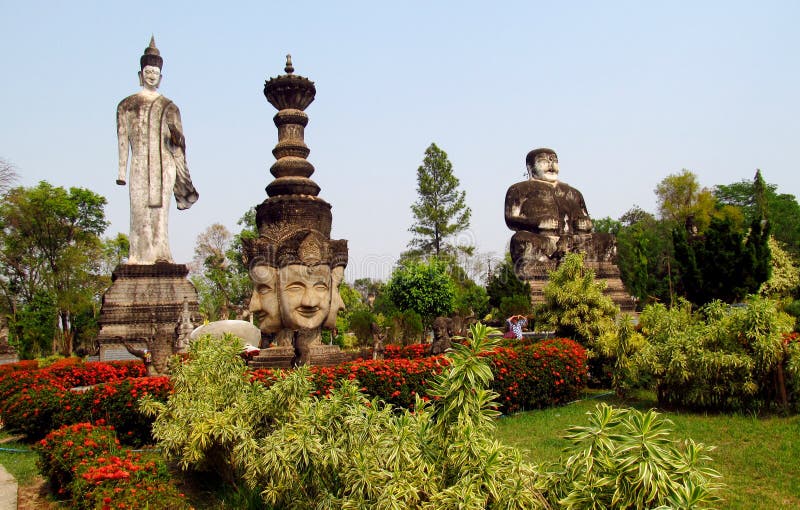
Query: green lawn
(759, 458)
(20, 464)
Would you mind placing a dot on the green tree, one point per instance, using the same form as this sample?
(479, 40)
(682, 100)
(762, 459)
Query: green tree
(644, 256)
(504, 284)
(423, 287)
(441, 210)
(50, 242)
(681, 198)
(781, 210)
(574, 305)
(721, 264)
(223, 286)
(7, 176)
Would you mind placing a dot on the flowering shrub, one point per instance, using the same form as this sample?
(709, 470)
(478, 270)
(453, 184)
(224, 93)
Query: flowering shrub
(530, 376)
(86, 462)
(44, 404)
(413, 351)
(64, 449)
(543, 374)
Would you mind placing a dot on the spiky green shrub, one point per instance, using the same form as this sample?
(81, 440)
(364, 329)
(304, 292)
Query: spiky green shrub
(719, 358)
(626, 458)
(575, 307)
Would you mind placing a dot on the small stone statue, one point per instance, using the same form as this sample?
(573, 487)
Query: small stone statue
(442, 333)
(149, 130)
(378, 337)
(184, 329)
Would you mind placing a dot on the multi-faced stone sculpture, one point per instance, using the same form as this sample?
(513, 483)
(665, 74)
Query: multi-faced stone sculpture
(150, 137)
(549, 219)
(295, 267)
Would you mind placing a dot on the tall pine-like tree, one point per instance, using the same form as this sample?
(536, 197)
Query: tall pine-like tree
(441, 210)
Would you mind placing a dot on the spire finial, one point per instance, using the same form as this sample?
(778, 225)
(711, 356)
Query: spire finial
(152, 41)
(289, 69)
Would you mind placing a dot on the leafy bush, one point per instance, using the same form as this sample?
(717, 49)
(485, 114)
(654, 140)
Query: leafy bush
(361, 325)
(720, 358)
(515, 305)
(405, 326)
(302, 451)
(215, 408)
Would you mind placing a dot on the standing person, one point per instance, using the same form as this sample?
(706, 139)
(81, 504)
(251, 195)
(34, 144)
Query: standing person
(516, 323)
(149, 130)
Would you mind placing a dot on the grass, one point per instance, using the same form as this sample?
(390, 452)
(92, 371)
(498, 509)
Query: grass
(757, 456)
(22, 465)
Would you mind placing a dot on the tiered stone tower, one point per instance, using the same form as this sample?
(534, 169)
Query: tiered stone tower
(295, 267)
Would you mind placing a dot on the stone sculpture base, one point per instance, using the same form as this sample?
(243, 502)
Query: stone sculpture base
(143, 300)
(537, 276)
(285, 357)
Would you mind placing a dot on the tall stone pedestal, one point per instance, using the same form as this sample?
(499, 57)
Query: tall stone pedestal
(143, 307)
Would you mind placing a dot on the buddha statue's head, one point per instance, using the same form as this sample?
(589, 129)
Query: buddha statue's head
(150, 64)
(542, 165)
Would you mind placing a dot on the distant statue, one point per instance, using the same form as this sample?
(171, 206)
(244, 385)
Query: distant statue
(549, 217)
(550, 220)
(378, 338)
(442, 333)
(149, 130)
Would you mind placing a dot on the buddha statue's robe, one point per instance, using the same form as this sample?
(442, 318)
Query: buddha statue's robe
(149, 126)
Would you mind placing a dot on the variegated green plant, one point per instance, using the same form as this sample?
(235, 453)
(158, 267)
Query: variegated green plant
(626, 458)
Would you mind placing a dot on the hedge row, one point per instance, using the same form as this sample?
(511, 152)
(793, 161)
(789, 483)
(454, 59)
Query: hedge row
(531, 376)
(35, 401)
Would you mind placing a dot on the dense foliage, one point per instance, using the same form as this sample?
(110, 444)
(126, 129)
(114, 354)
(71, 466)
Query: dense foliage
(507, 293)
(302, 451)
(574, 305)
(720, 357)
(423, 287)
(50, 246)
(33, 401)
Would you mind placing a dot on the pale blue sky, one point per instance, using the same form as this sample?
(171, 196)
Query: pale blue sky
(625, 92)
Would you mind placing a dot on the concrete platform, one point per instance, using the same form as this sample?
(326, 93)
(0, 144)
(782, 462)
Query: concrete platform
(8, 490)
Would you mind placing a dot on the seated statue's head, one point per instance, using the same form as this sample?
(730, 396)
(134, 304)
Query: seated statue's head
(150, 64)
(542, 165)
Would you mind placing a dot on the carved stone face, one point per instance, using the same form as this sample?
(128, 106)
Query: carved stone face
(305, 295)
(264, 301)
(337, 275)
(545, 167)
(150, 77)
